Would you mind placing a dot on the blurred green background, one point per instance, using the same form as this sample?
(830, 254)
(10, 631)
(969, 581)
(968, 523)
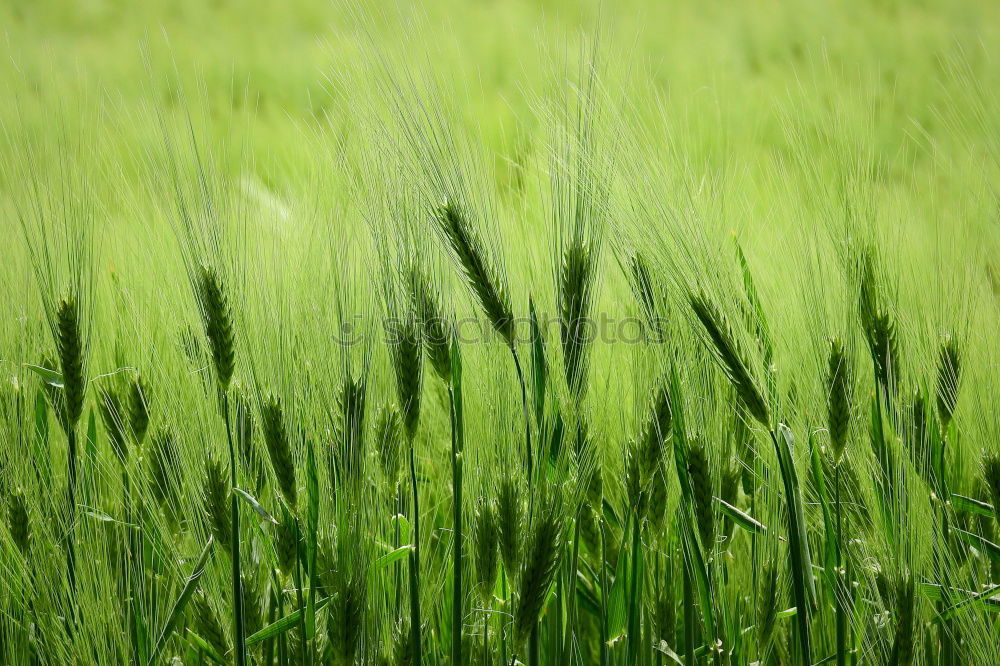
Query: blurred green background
(737, 67)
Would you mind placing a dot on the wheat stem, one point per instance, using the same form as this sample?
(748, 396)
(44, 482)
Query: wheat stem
(414, 563)
(457, 445)
(524, 408)
(234, 511)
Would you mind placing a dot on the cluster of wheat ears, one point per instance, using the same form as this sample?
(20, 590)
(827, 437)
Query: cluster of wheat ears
(427, 499)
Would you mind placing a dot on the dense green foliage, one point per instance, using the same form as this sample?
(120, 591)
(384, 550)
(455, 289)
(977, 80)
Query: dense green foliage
(339, 334)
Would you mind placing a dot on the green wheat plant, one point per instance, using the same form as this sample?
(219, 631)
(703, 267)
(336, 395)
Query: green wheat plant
(499, 334)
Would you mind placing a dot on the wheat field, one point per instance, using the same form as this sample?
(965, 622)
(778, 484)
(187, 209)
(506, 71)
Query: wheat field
(556, 333)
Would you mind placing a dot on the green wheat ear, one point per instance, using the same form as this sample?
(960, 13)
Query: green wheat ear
(485, 283)
(70, 344)
(279, 449)
(702, 489)
(388, 441)
(771, 599)
(659, 489)
(404, 351)
(487, 538)
(243, 430)
(436, 327)
(657, 430)
(208, 626)
(113, 415)
(664, 611)
(252, 604)
(509, 515)
(541, 560)
(353, 401)
(728, 354)
(138, 409)
(840, 385)
(346, 623)
(991, 475)
(18, 523)
(641, 282)
(218, 324)
(591, 514)
(902, 646)
(878, 326)
(163, 463)
(949, 375)
(216, 497)
(576, 280)
(286, 544)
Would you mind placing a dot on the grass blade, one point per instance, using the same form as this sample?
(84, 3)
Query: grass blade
(802, 582)
(190, 586)
(279, 627)
(255, 505)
